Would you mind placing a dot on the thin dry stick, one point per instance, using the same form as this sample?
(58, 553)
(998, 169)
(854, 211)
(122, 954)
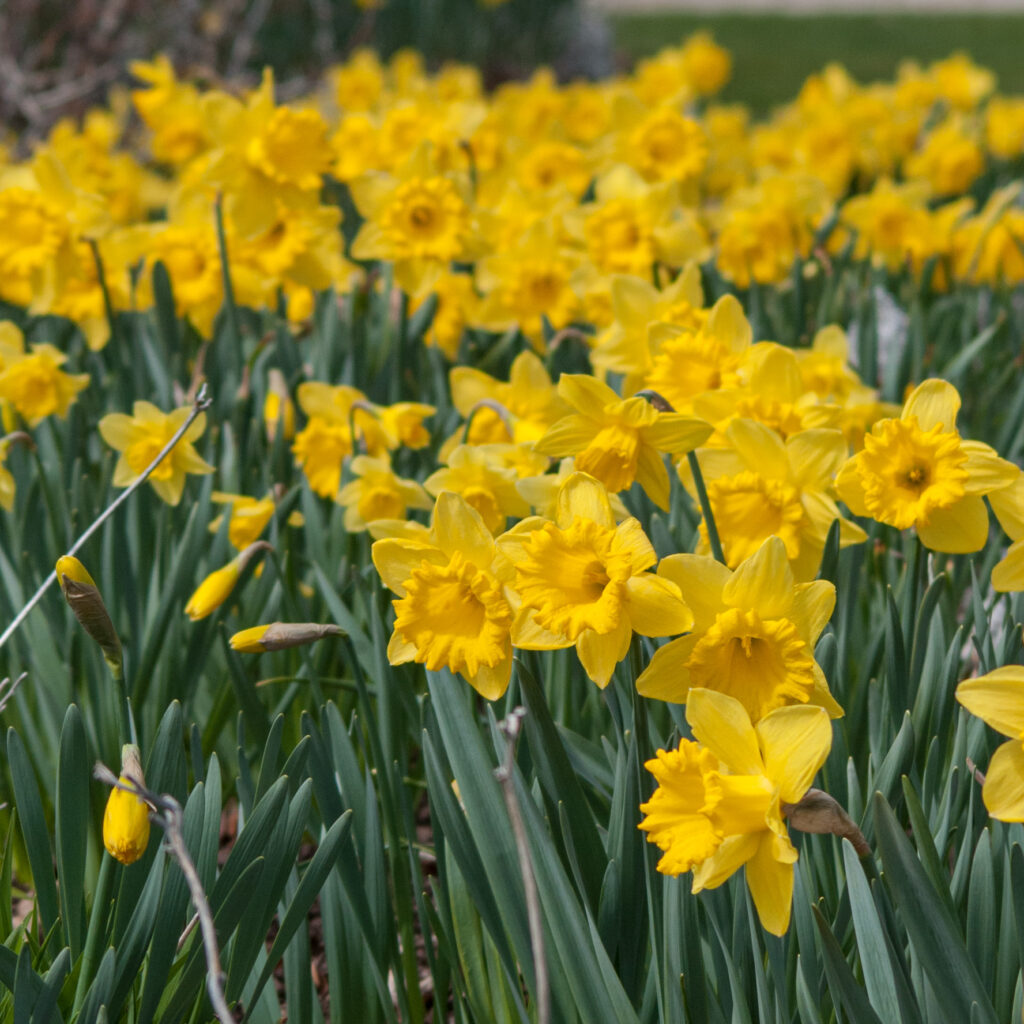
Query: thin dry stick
(510, 728)
(167, 814)
(201, 402)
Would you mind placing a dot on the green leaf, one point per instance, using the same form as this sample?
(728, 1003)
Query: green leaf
(841, 982)
(871, 940)
(72, 820)
(312, 882)
(99, 991)
(933, 933)
(33, 830)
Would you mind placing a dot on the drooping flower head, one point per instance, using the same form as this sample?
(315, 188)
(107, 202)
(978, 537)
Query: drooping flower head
(720, 801)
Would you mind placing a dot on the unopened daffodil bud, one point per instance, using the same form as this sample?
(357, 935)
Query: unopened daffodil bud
(126, 818)
(217, 587)
(279, 635)
(278, 407)
(81, 593)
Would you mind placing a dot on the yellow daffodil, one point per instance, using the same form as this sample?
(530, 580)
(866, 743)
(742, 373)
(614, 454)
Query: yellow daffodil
(753, 634)
(761, 486)
(278, 408)
(1008, 505)
(126, 817)
(486, 484)
(377, 492)
(33, 382)
(624, 347)
(520, 410)
(619, 441)
(998, 699)
(916, 471)
(720, 801)
(581, 581)
(689, 359)
(143, 435)
(451, 609)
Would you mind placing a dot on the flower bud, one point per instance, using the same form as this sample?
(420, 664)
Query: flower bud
(217, 587)
(278, 408)
(81, 593)
(279, 635)
(126, 818)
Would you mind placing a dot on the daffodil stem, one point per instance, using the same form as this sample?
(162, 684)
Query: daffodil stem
(705, 507)
(97, 929)
(201, 402)
(229, 291)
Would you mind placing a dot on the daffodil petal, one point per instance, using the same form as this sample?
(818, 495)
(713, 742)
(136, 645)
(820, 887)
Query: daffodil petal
(569, 436)
(601, 652)
(1003, 791)
(850, 487)
(764, 582)
(957, 530)
(652, 476)
(734, 852)
(815, 457)
(1008, 575)
(656, 608)
(701, 579)
(986, 471)
(1008, 505)
(491, 683)
(722, 724)
(997, 698)
(933, 402)
(795, 742)
(584, 497)
(667, 677)
(771, 886)
(586, 394)
(760, 448)
(395, 560)
(812, 607)
(458, 527)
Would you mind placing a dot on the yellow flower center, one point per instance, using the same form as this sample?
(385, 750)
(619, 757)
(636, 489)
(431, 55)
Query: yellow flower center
(688, 366)
(748, 509)
(612, 457)
(618, 239)
(380, 501)
(763, 664)
(426, 218)
(455, 615)
(292, 148)
(668, 145)
(319, 450)
(907, 473)
(145, 448)
(574, 579)
(33, 231)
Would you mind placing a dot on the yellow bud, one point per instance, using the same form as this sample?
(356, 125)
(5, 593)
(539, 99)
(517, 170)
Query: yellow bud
(126, 818)
(212, 592)
(248, 640)
(69, 567)
(278, 407)
(217, 587)
(279, 635)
